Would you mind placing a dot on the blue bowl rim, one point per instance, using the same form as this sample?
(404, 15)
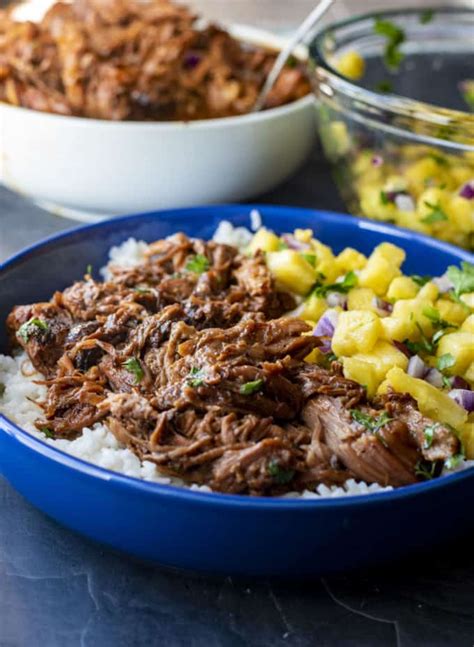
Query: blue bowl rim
(150, 488)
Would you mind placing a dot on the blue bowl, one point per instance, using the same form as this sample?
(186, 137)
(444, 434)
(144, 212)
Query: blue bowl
(218, 533)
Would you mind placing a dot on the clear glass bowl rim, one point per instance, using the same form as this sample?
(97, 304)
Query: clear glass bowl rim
(395, 104)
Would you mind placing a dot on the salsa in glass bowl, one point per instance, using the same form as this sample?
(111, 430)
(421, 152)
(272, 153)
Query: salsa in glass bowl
(396, 94)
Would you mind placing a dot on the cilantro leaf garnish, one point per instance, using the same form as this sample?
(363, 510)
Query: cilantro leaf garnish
(453, 461)
(384, 87)
(384, 199)
(310, 258)
(467, 91)
(427, 470)
(197, 264)
(280, 475)
(31, 327)
(462, 279)
(371, 423)
(433, 315)
(437, 213)
(196, 377)
(132, 365)
(89, 270)
(395, 37)
(426, 16)
(251, 387)
(348, 282)
(445, 361)
(47, 432)
(421, 280)
(428, 434)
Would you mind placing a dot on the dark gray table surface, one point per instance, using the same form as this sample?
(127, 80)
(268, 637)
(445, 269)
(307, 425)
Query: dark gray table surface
(60, 590)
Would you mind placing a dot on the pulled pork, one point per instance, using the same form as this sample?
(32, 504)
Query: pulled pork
(188, 360)
(134, 60)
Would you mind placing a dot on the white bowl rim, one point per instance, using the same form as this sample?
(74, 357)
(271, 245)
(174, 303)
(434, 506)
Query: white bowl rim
(243, 32)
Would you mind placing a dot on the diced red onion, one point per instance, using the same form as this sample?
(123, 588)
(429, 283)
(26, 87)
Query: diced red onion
(417, 367)
(326, 325)
(464, 398)
(191, 60)
(335, 299)
(292, 243)
(325, 347)
(404, 202)
(458, 382)
(377, 160)
(443, 283)
(382, 305)
(403, 348)
(467, 190)
(434, 377)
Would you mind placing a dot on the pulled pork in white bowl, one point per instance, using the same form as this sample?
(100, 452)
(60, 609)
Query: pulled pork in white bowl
(115, 106)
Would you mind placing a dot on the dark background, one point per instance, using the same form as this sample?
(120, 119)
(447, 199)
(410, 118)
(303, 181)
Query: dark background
(59, 590)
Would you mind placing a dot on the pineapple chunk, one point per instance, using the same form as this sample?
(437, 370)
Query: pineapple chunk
(265, 240)
(383, 357)
(432, 402)
(429, 292)
(351, 65)
(395, 255)
(455, 313)
(466, 436)
(362, 373)
(291, 271)
(356, 332)
(411, 310)
(325, 261)
(468, 325)
(303, 235)
(469, 374)
(402, 287)
(361, 299)
(460, 345)
(378, 273)
(349, 260)
(313, 308)
(398, 328)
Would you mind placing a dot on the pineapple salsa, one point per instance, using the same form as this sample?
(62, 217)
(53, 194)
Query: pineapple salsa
(412, 334)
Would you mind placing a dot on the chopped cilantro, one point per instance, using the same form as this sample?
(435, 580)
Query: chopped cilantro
(433, 315)
(371, 423)
(2, 389)
(196, 377)
(280, 475)
(395, 37)
(385, 86)
(428, 434)
(310, 258)
(421, 280)
(331, 357)
(89, 270)
(282, 245)
(384, 199)
(453, 461)
(31, 327)
(47, 432)
(427, 470)
(132, 365)
(467, 91)
(197, 264)
(439, 159)
(425, 345)
(462, 279)
(292, 62)
(437, 213)
(251, 387)
(426, 16)
(348, 282)
(445, 361)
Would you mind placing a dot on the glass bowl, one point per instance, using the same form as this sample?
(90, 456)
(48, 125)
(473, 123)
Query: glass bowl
(400, 138)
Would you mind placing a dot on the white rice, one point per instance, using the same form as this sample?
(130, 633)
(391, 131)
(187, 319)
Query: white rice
(97, 445)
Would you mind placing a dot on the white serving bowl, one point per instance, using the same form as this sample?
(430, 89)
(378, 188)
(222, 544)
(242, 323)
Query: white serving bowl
(89, 168)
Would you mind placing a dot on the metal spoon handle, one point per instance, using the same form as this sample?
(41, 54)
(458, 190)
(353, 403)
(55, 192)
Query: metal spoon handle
(306, 26)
